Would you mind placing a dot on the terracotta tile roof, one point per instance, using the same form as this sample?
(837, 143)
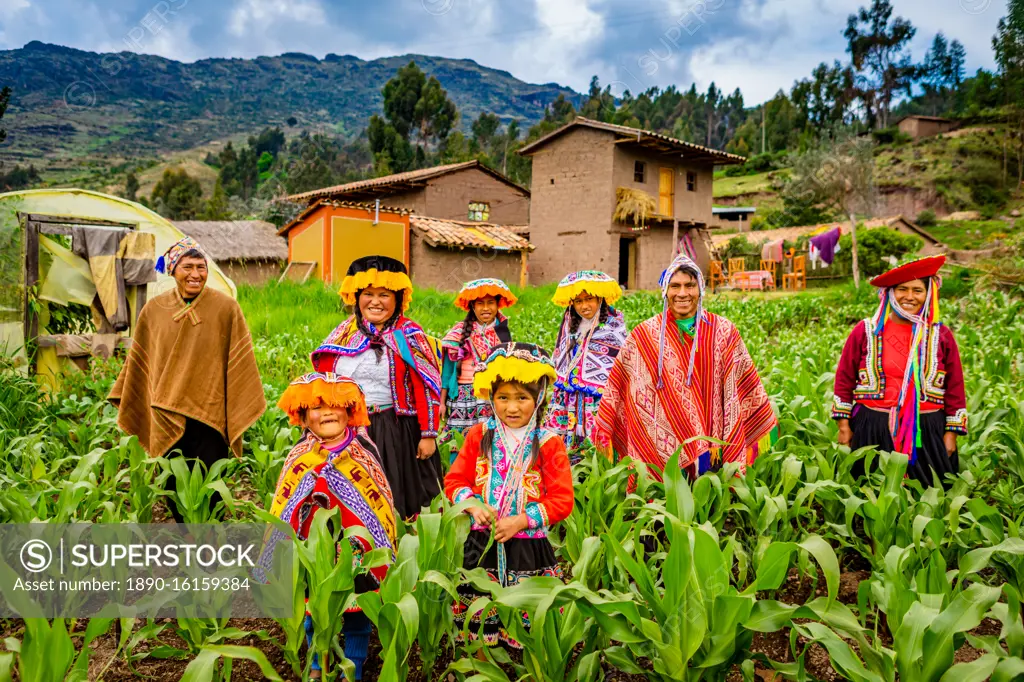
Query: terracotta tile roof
(463, 234)
(236, 239)
(397, 180)
(644, 138)
(370, 207)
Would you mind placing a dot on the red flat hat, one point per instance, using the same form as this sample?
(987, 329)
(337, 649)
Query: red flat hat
(922, 268)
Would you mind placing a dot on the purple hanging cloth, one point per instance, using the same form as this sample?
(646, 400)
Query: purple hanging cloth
(826, 244)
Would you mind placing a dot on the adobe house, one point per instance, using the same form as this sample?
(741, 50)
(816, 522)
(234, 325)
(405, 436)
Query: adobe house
(328, 235)
(440, 254)
(247, 251)
(732, 218)
(445, 254)
(581, 173)
(920, 127)
(456, 191)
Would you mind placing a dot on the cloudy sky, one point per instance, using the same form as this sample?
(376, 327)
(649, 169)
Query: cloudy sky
(758, 46)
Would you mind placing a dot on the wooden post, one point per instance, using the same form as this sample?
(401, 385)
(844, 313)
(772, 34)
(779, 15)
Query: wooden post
(675, 237)
(31, 320)
(522, 268)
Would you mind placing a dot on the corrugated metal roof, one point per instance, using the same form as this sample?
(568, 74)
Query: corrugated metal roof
(468, 234)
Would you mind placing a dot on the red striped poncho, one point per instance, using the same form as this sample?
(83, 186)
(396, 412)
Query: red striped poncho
(725, 399)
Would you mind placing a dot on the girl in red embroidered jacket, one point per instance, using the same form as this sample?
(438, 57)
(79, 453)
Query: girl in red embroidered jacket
(519, 471)
(900, 385)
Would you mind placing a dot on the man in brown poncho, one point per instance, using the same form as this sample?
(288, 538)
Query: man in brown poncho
(190, 384)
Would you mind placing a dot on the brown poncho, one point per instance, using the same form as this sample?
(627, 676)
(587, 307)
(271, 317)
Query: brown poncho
(192, 361)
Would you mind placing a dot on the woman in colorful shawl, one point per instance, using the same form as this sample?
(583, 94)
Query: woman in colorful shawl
(335, 466)
(467, 344)
(521, 474)
(682, 376)
(590, 338)
(391, 359)
(900, 385)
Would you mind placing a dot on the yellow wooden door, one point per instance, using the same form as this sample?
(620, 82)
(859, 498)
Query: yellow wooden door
(666, 191)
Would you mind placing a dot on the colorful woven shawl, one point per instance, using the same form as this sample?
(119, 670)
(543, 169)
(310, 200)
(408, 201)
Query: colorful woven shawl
(723, 399)
(583, 366)
(350, 477)
(405, 338)
(480, 342)
(904, 421)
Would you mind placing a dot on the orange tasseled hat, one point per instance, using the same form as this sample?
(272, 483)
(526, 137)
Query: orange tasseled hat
(324, 388)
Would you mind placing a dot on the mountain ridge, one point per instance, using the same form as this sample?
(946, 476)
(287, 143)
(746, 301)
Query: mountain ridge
(72, 107)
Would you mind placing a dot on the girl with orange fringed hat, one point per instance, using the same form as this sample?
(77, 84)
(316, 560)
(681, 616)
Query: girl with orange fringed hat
(900, 384)
(466, 345)
(335, 466)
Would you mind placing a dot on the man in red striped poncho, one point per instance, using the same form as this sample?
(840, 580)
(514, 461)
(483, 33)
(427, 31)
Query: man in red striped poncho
(685, 374)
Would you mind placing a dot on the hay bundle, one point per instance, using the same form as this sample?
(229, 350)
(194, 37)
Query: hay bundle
(634, 205)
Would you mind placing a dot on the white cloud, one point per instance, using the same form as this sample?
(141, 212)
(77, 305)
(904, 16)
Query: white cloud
(782, 41)
(259, 16)
(8, 8)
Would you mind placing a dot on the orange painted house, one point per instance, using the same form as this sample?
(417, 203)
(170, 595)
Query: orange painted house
(326, 237)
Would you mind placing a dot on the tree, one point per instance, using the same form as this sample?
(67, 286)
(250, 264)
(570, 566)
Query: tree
(825, 99)
(484, 128)
(413, 106)
(877, 46)
(435, 113)
(1008, 44)
(839, 174)
(401, 94)
(217, 207)
(131, 186)
(178, 196)
(5, 98)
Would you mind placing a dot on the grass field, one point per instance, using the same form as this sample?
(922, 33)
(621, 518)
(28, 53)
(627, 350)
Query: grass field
(797, 569)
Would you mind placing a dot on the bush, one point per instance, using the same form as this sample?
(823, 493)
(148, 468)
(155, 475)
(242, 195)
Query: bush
(926, 218)
(875, 245)
(736, 247)
(892, 136)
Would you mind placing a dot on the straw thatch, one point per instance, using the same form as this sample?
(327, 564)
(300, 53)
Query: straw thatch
(633, 206)
(237, 240)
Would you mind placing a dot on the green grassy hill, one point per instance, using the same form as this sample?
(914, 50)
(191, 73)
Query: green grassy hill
(76, 113)
(959, 171)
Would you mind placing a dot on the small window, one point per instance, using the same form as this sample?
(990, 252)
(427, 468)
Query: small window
(691, 181)
(639, 171)
(479, 211)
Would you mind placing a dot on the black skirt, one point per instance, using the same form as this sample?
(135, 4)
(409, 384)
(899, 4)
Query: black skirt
(524, 558)
(871, 427)
(414, 482)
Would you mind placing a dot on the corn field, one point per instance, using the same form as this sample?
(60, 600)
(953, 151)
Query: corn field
(796, 571)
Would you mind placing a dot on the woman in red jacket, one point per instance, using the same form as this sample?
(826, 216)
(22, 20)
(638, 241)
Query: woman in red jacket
(518, 470)
(391, 359)
(900, 385)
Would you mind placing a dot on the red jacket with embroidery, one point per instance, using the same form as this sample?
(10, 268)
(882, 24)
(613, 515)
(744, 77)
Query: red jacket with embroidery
(547, 483)
(860, 376)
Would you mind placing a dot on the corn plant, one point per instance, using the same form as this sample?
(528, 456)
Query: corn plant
(214, 662)
(193, 489)
(330, 572)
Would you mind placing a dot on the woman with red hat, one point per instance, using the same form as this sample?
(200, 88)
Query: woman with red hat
(900, 385)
